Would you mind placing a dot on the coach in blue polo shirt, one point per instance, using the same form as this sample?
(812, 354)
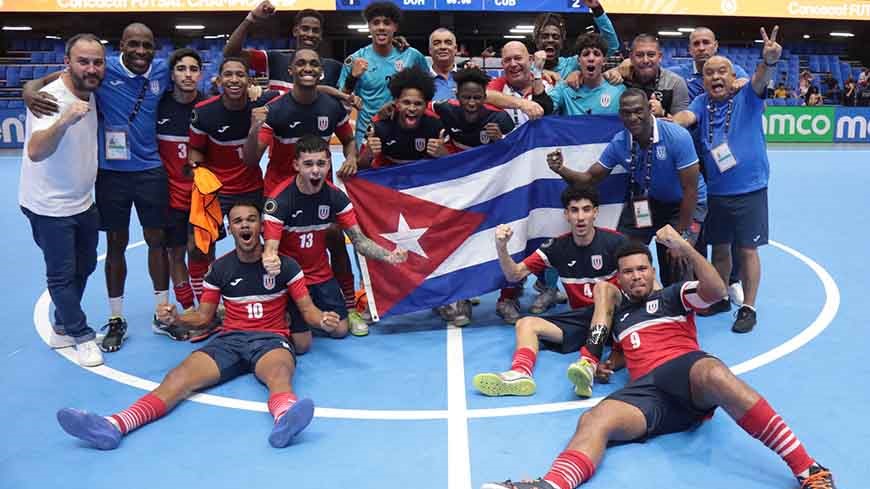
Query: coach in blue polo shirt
(730, 128)
(663, 188)
(130, 170)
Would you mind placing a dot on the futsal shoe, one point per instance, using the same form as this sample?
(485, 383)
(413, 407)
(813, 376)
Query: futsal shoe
(582, 374)
(116, 335)
(292, 423)
(745, 320)
(548, 298)
(90, 427)
(508, 309)
(89, 354)
(60, 340)
(719, 307)
(358, 325)
(535, 484)
(176, 332)
(819, 478)
(510, 383)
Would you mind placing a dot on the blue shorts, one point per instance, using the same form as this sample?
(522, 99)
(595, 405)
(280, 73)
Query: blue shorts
(575, 328)
(177, 228)
(326, 296)
(117, 191)
(237, 352)
(227, 201)
(664, 396)
(740, 219)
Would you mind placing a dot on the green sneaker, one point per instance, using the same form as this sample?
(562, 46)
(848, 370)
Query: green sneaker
(582, 374)
(357, 325)
(510, 383)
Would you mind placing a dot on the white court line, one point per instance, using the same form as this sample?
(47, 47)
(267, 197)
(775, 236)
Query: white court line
(458, 454)
(456, 374)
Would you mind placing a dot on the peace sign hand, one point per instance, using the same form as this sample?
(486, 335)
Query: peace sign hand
(772, 50)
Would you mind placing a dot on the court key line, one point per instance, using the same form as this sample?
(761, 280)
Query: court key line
(456, 376)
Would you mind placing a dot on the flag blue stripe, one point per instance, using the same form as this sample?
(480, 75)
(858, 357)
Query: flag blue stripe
(461, 284)
(552, 131)
(514, 205)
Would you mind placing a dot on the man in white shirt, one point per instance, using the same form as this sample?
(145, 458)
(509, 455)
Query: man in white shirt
(58, 170)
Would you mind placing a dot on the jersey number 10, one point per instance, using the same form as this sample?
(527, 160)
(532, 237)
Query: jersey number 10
(255, 310)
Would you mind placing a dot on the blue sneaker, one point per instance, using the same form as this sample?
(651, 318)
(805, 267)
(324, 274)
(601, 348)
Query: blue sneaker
(292, 423)
(90, 427)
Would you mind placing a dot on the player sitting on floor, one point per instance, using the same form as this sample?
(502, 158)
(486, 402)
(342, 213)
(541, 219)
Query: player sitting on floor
(298, 214)
(585, 260)
(674, 385)
(254, 338)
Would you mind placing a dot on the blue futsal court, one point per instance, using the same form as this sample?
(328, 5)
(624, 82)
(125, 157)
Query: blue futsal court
(397, 409)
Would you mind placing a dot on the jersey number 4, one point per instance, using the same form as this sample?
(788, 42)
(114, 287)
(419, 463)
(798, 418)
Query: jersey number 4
(255, 310)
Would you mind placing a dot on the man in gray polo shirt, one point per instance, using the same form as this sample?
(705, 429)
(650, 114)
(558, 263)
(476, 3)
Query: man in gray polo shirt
(667, 91)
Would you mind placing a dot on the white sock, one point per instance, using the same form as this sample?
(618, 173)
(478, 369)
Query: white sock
(116, 306)
(161, 297)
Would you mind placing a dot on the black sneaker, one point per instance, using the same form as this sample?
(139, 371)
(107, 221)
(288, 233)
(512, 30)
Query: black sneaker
(819, 478)
(745, 320)
(719, 307)
(115, 336)
(174, 331)
(535, 484)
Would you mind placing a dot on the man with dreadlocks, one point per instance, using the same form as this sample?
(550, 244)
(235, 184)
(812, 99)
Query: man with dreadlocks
(550, 35)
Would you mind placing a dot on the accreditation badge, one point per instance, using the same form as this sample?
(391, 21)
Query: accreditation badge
(724, 158)
(642, 214)
(117, 143)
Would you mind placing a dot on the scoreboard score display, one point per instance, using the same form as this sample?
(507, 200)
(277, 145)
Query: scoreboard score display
(816, 9)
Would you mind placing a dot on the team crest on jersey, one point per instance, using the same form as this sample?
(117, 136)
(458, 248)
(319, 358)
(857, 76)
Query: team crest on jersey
(399, 65)
(323, 211)
(268, 281)
(652, 306)
(597, 262)
(155, 87)
(661, 152)
(605, 100)
(420, 144)
(322, 122)
(484, 137)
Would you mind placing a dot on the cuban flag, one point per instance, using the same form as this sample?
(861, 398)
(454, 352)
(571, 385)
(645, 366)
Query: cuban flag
(444, 211)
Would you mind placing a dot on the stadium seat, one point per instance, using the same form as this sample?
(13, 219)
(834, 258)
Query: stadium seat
(16, 104)
(13, 77)
(2, 72)
(26, 72)
(39, 71)
(3, 104)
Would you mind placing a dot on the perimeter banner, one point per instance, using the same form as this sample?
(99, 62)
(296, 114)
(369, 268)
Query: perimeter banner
(155, 5)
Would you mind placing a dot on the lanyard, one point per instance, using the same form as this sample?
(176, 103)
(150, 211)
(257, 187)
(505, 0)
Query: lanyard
(647, 180)
(712, 111)
(139, 100)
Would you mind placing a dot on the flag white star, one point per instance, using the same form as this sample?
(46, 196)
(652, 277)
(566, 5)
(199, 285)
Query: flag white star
(407, 238)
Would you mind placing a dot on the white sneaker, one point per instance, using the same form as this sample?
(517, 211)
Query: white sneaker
(57, 341)
(735, 292)
(89, 354)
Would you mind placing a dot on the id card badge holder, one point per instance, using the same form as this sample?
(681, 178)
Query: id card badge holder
(642, 214)
(117, 143)
(724, 158)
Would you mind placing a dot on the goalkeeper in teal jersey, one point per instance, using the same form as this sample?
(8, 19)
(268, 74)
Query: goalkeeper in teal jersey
(367, 72)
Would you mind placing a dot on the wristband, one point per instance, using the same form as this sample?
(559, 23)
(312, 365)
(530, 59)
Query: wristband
(350, 82)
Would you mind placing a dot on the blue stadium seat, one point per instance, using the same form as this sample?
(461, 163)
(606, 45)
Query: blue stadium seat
(26, 72)
(2, 72)
(16, 104)
(3, 103)
(13, 77)
(39, 71)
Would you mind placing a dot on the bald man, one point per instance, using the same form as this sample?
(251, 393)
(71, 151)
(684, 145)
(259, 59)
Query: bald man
(729, 124)
(520, 90)
(130, 170)
(702, 46)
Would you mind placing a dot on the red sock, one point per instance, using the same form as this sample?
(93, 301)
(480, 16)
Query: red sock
(524, 361)
(763, 424)
(510, 292)
(593, 358)
(148, 408)
(197, 270)
(570, 469)
(184, 294)
(345, 280)
(280, 402)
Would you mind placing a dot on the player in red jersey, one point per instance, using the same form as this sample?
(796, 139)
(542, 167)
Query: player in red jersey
(297, 215)
(674, 385)
(586, 264)
(173, 128)
(218, 131)
(254, 338)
